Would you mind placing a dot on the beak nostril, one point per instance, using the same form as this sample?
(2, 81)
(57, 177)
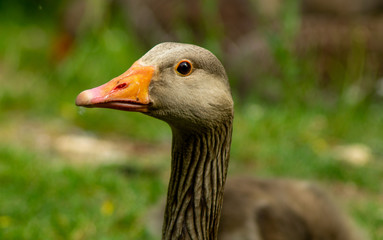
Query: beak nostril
(120, 86)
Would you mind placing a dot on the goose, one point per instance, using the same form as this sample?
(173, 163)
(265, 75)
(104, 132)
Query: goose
(187, 87)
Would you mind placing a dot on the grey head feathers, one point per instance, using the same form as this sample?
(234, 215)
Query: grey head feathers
(196, 101)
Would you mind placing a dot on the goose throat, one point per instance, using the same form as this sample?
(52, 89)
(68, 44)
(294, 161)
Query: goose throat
(198, 174)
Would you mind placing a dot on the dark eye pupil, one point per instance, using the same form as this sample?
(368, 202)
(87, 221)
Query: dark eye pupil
(184, 68)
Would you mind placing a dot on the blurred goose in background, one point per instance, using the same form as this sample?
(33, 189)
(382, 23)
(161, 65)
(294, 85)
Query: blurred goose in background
(187, 87)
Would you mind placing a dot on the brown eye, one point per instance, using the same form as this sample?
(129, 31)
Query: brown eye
(184, 67)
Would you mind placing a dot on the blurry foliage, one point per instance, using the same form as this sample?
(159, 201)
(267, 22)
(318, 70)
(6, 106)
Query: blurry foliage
(52, 201)
(105, 34)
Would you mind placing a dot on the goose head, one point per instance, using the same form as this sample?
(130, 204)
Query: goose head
(182, 84)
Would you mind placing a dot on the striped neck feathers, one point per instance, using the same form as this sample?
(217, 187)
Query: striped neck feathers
(198, 174)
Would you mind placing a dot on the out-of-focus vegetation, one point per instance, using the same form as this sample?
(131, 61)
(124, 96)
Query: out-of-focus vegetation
(302, 112)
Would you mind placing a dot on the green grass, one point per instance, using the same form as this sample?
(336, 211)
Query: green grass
(41, 199)
(298, 142)
(44, 196)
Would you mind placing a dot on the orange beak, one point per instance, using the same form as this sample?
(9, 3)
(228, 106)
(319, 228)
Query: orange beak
(129, 91)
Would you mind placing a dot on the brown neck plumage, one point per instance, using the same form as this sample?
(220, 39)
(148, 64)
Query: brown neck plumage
(198, 174)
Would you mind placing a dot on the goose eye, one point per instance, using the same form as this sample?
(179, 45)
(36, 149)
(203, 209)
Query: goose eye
(184, 67)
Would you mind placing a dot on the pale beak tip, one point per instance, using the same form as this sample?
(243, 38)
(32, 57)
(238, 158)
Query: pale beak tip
(84, 98)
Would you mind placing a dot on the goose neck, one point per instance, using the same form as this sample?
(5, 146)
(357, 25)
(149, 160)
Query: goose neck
(198, 175)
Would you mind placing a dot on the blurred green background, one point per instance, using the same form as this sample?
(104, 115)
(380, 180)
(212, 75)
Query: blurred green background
(306, 76)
